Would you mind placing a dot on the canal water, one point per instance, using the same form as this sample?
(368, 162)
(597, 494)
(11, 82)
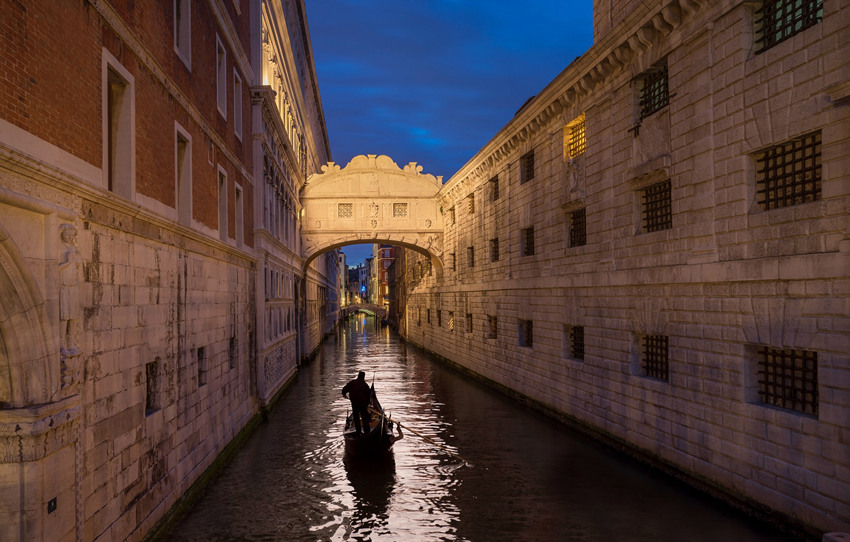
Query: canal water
(527, 477)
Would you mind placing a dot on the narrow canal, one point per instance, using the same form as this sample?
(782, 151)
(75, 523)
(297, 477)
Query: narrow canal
(528, 478)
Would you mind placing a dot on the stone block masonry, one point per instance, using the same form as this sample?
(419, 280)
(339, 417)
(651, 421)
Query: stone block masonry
(670, 324)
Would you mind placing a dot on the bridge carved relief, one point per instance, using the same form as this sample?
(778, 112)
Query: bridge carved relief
(372, 200)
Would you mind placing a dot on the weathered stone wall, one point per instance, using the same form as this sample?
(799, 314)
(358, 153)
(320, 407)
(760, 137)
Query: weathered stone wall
(725, 279)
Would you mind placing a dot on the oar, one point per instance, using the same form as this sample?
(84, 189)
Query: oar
(418, 434)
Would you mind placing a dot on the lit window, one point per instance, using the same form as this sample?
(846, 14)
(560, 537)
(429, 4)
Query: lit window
(575, 140)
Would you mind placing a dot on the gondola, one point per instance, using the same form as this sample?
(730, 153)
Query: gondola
(378, 440)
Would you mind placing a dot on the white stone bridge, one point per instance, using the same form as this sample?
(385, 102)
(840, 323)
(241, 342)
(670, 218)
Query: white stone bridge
(372, 200)
(369, 308)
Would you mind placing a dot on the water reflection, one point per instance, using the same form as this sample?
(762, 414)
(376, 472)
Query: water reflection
(530, 478)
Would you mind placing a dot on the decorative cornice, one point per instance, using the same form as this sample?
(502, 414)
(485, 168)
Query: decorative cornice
(579, 79)
(145, 58)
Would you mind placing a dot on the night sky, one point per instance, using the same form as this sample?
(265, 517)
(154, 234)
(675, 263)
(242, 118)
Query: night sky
(433, 81)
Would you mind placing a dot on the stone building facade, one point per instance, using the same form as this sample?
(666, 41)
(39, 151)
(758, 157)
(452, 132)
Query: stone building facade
(132, 342)
(656, 248)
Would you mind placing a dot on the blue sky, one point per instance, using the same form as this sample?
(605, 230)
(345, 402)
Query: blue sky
(432, 81)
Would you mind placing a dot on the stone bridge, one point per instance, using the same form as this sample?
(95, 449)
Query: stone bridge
(365, 307)
(372, 200)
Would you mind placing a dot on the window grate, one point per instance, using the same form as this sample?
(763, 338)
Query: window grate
(655, 94)
(470, 256)
(452, 261)
(526, 167)
(399, 210)
(657, 207)
(452, 216)
(427, 316)
(655, 361)
(578, 227)
(789, 379)
(578, 140)
(470, 203)
(789, 173)
(778, 20)
(494, 249)
(577, 341)
(494, 188)
(345, 210)
(451, 322)
(468, 323)
(527, 241)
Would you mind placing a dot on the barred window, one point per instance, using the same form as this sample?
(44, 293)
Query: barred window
(578, 227)
(577, 342)
(418, 316)
(452, 261)
(470, 256)
(399, 210)
(789, 379)
(654, 93)
(778, 20)
(658, 207)
(527, 241)
(152, 387)
(452, 216)
(468, 323)
(451, 321)
(526, 167)
(526, 333)
(470, 203)
(430, 265)
(494, 188)
(578, 138)
(789, 173)
(494, 249)
(345, 210)
(492, 327)
(439, 318)
(427, 316)
(655, 362)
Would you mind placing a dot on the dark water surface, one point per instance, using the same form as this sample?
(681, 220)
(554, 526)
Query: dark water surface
(529, 478)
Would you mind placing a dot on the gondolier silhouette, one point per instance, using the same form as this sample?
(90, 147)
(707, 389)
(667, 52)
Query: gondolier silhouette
(359, 393)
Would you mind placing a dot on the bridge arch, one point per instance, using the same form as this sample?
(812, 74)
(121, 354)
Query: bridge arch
(372, 200)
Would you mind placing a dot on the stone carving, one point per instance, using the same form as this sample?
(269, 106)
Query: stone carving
(318, 224)
(427, 222)
(374, 223)
(575, 178)
(69, 302)
(373, 209)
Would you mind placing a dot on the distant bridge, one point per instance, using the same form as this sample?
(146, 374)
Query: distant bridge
(368, 308)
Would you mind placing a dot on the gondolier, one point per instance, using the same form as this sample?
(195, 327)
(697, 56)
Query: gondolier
(359, 393)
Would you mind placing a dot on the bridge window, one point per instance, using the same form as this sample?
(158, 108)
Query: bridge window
(526, 167)
(345, 210)
(399, 210)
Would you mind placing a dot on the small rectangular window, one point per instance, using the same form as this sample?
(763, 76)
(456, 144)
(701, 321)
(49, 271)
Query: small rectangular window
(657, 207)
(778, 20)
(492, 327)
(789, 173)
(428, 316)
(232, 352)
(237, 105)
(152, 387)
(221, 77)
(575, 138)
(527, 241)
(183, 173)
(399, 210)
(526, 167)
(183, 31)
(439, 318)
(452, 216)
(419, 316)
(451, 321)
(119, 127)
(452, 261)
(577, 342)
(222, 205)
(654, 93)
(655, 362)
(468, 323)
(788, 379)
(494, 249)
(240, 217)
(345, 210)
(470, 203)
(526, 334)
(494, 188)
(578, 227)
(202, 366)
(470, 256)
